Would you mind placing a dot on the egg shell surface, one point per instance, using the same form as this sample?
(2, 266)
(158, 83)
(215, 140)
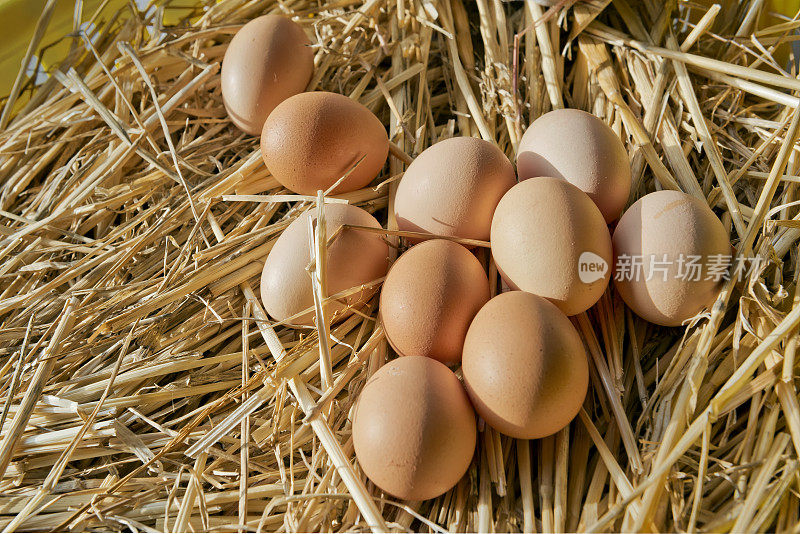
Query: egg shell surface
(414, 428)
(311, 140)
(548, 238)
(267, 61)
(580, 148)
(429, 298)
(524, 365)
(355, 258)
(668, 231)
(452, 188)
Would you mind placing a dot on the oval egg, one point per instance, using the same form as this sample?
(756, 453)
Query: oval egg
(267, 61)
(429, 297)
(452, 188)
(661, 244)
(355, 258)
(524, 365)
(580, 148)
(548, 238)
(311, 140)
(414, 429)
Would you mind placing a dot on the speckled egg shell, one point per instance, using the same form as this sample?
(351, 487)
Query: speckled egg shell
(414, 428)
(524, 365)
(429, 297)
(545, 231)
(311, 140)
(354, 258)
(580, 148)
(267, 61)
(452, 188)
(666, 226)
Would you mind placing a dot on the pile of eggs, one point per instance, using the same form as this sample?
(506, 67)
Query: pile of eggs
(523, 363)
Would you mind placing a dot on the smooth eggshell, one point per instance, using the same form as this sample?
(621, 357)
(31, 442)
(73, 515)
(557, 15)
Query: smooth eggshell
(524, 365)
(582, 149)
(429, 297)
(356, 257)
(677, 225)
(543, 230)
(313, 139)
(267, 61)
(414, 428)
(452, 188)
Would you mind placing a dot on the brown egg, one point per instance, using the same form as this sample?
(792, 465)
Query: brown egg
(452, 188)
(548, 238)
(682, 250)
(525, 368)
(414, 428)
(429, 298)
(355, 258)
(267, 61)
(313, 139)
(582, 149)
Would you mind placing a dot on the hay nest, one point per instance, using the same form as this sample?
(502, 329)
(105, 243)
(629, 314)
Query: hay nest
(144, 388)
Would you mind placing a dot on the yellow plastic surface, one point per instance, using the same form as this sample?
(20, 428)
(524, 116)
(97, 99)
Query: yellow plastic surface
(18, 19)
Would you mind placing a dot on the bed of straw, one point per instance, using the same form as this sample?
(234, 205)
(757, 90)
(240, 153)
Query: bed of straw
(143, 388)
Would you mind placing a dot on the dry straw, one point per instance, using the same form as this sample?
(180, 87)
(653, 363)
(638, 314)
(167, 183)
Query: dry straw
(143, 387)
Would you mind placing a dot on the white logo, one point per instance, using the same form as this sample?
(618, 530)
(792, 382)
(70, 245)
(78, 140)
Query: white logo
(591, 267)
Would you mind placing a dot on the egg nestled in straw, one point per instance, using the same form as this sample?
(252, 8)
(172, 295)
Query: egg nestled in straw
(580, 148)
(414, 429)
(548, 238)
(355, 258)
(452, 189)
(671, 257)
(267, 61)
(524, 366)
(311, 141)
(429, 297)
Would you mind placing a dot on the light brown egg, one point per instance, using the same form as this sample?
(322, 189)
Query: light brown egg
(355, 258)
(676, 239)
(580, 148)
(311, 140)
(429, 297)
(548, 238)
(414, 428)
(452, 188)
(267, 61)
(524, 365)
